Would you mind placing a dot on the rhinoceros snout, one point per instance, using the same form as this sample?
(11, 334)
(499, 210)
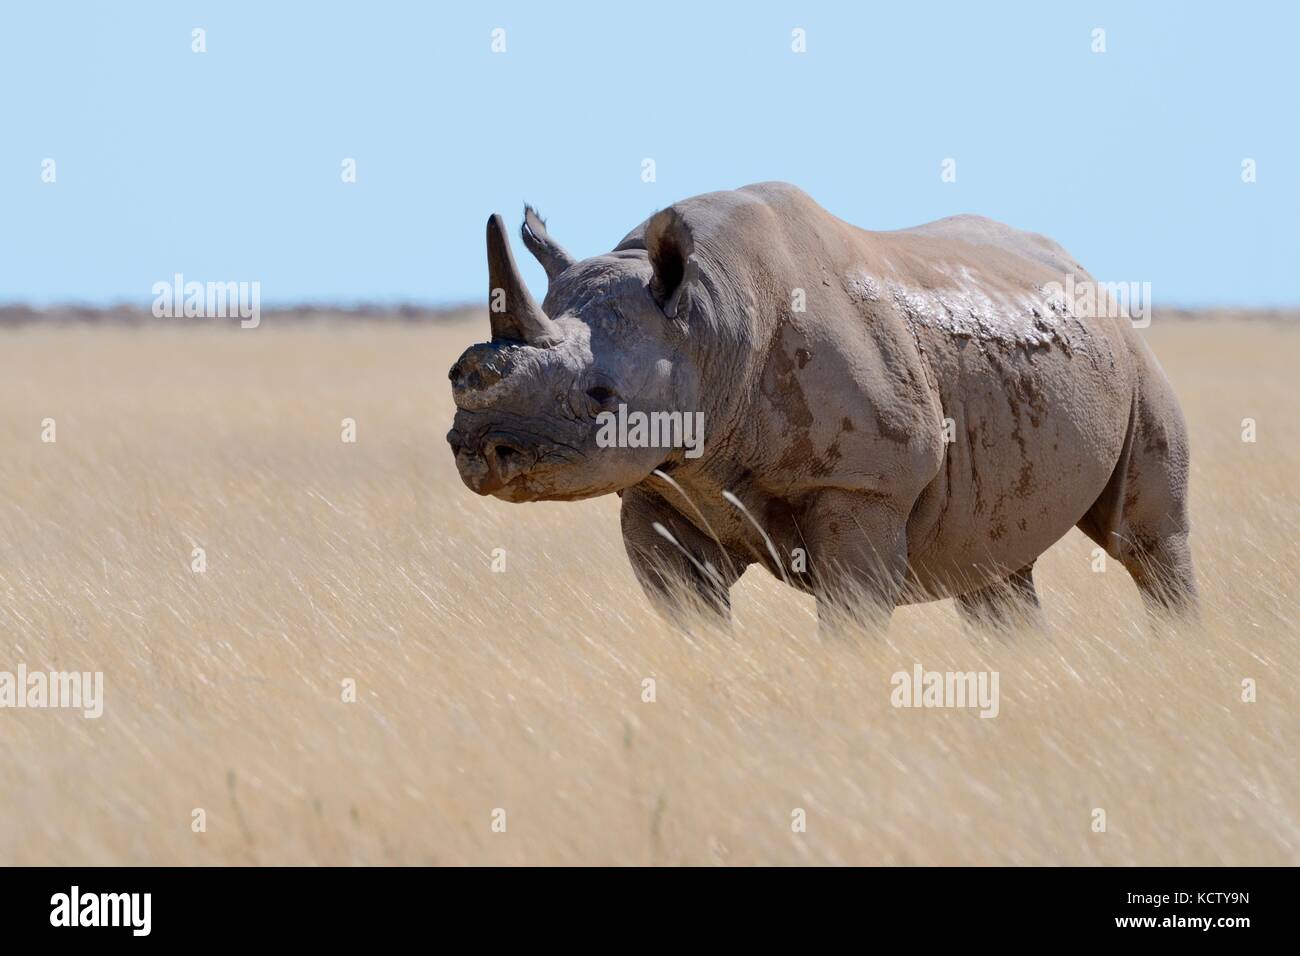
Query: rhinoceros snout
(475, 374)
(491, 462)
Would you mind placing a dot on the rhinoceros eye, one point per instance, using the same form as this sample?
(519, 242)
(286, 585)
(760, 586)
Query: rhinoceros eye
(601, 394)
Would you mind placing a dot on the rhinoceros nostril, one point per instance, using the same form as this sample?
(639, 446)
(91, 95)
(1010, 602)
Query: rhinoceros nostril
(506, 458)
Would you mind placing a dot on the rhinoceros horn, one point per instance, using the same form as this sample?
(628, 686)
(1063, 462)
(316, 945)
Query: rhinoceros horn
(549, 253)
(513, 311)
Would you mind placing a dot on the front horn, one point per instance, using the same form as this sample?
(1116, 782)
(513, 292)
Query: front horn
(512, 310)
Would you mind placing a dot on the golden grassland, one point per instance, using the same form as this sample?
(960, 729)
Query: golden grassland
(522, 690)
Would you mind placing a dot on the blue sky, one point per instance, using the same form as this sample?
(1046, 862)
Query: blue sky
(226, 165)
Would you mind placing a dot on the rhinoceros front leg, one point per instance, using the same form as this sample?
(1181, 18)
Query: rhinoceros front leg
(857, 548)
(1010, 602)
(684, 572)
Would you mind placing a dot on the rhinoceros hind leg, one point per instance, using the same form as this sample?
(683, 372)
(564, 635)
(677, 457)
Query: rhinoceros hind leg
(1162, 570)
(1141, 516)
(1011, 602)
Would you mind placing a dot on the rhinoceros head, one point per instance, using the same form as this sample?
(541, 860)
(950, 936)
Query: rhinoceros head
(527, 401)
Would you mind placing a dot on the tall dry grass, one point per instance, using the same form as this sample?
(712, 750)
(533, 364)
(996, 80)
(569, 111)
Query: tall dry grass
(523, 690)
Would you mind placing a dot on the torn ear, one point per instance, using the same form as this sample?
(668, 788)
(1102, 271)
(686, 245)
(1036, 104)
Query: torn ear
(671, 247)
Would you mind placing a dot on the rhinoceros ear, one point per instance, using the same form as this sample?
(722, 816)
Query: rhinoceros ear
(671, 247)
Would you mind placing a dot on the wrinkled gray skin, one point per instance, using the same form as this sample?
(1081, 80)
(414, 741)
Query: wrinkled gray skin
(828, 424)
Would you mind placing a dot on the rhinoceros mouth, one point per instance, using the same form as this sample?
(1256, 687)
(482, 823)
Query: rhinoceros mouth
(507, 463)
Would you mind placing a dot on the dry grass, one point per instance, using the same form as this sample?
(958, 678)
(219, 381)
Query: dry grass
(523, 690)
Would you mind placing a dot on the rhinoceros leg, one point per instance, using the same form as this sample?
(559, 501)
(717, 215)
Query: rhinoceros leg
(687, 575)
(1141, 517)
(857, 549)
(1006, 603)
(1162, 570)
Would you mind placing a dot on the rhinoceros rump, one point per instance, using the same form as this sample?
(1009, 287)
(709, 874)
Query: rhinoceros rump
(889, 417)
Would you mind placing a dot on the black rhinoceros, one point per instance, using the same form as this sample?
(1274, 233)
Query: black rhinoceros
(888, 417)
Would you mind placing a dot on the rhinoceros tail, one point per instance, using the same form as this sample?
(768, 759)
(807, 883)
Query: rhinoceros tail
(1103, 522)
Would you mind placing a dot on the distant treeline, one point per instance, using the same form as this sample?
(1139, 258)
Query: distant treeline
(25, 314)
(129, 314)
